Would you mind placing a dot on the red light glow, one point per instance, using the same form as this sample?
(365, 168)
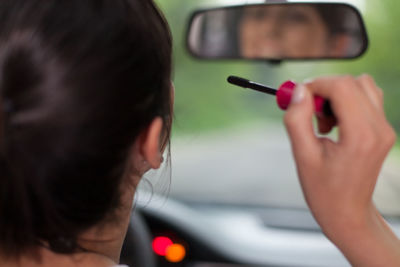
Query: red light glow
(161, 244)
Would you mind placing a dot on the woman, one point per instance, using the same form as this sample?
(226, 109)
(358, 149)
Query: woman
(86, 106)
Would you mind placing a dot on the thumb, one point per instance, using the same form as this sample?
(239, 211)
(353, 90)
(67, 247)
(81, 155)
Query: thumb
(299, 124)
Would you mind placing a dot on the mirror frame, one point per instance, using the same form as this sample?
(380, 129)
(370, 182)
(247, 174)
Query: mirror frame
(276, 61)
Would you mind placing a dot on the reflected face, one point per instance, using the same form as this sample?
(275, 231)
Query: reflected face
(283, 32)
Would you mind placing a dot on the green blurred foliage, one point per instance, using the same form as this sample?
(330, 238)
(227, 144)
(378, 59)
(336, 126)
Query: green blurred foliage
(204, 100)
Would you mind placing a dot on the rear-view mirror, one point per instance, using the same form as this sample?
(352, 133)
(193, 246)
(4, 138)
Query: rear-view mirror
(278, 32)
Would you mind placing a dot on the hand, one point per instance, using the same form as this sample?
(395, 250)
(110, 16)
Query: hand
(338, 178)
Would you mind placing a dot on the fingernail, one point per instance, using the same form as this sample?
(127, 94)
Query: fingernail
(298, 94)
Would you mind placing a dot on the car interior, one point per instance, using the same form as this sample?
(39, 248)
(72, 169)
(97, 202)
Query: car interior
(228, 193)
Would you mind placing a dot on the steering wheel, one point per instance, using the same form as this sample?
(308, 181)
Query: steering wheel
(137, 250)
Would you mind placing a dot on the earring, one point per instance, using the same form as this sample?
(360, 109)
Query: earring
(161, 159)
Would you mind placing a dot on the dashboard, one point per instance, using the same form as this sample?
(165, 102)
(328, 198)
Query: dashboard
(227, 236)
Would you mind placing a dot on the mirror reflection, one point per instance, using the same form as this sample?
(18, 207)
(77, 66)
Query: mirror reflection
(278, 31)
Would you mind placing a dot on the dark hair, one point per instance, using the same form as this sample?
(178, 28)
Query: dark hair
(79, 80)
(334, 16)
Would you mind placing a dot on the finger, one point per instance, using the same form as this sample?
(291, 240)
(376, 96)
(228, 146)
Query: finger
(372, 91)
(347, 103)
(298, 122)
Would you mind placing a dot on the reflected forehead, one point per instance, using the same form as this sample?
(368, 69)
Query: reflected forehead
(306, 9)
(265, 9)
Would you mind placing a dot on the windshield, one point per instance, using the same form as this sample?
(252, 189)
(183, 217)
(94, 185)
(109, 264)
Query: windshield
(229, 145)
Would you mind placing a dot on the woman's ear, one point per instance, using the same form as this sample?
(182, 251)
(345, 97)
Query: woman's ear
(149, 143)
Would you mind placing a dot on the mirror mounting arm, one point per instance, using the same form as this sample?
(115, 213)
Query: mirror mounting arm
(274, 62)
